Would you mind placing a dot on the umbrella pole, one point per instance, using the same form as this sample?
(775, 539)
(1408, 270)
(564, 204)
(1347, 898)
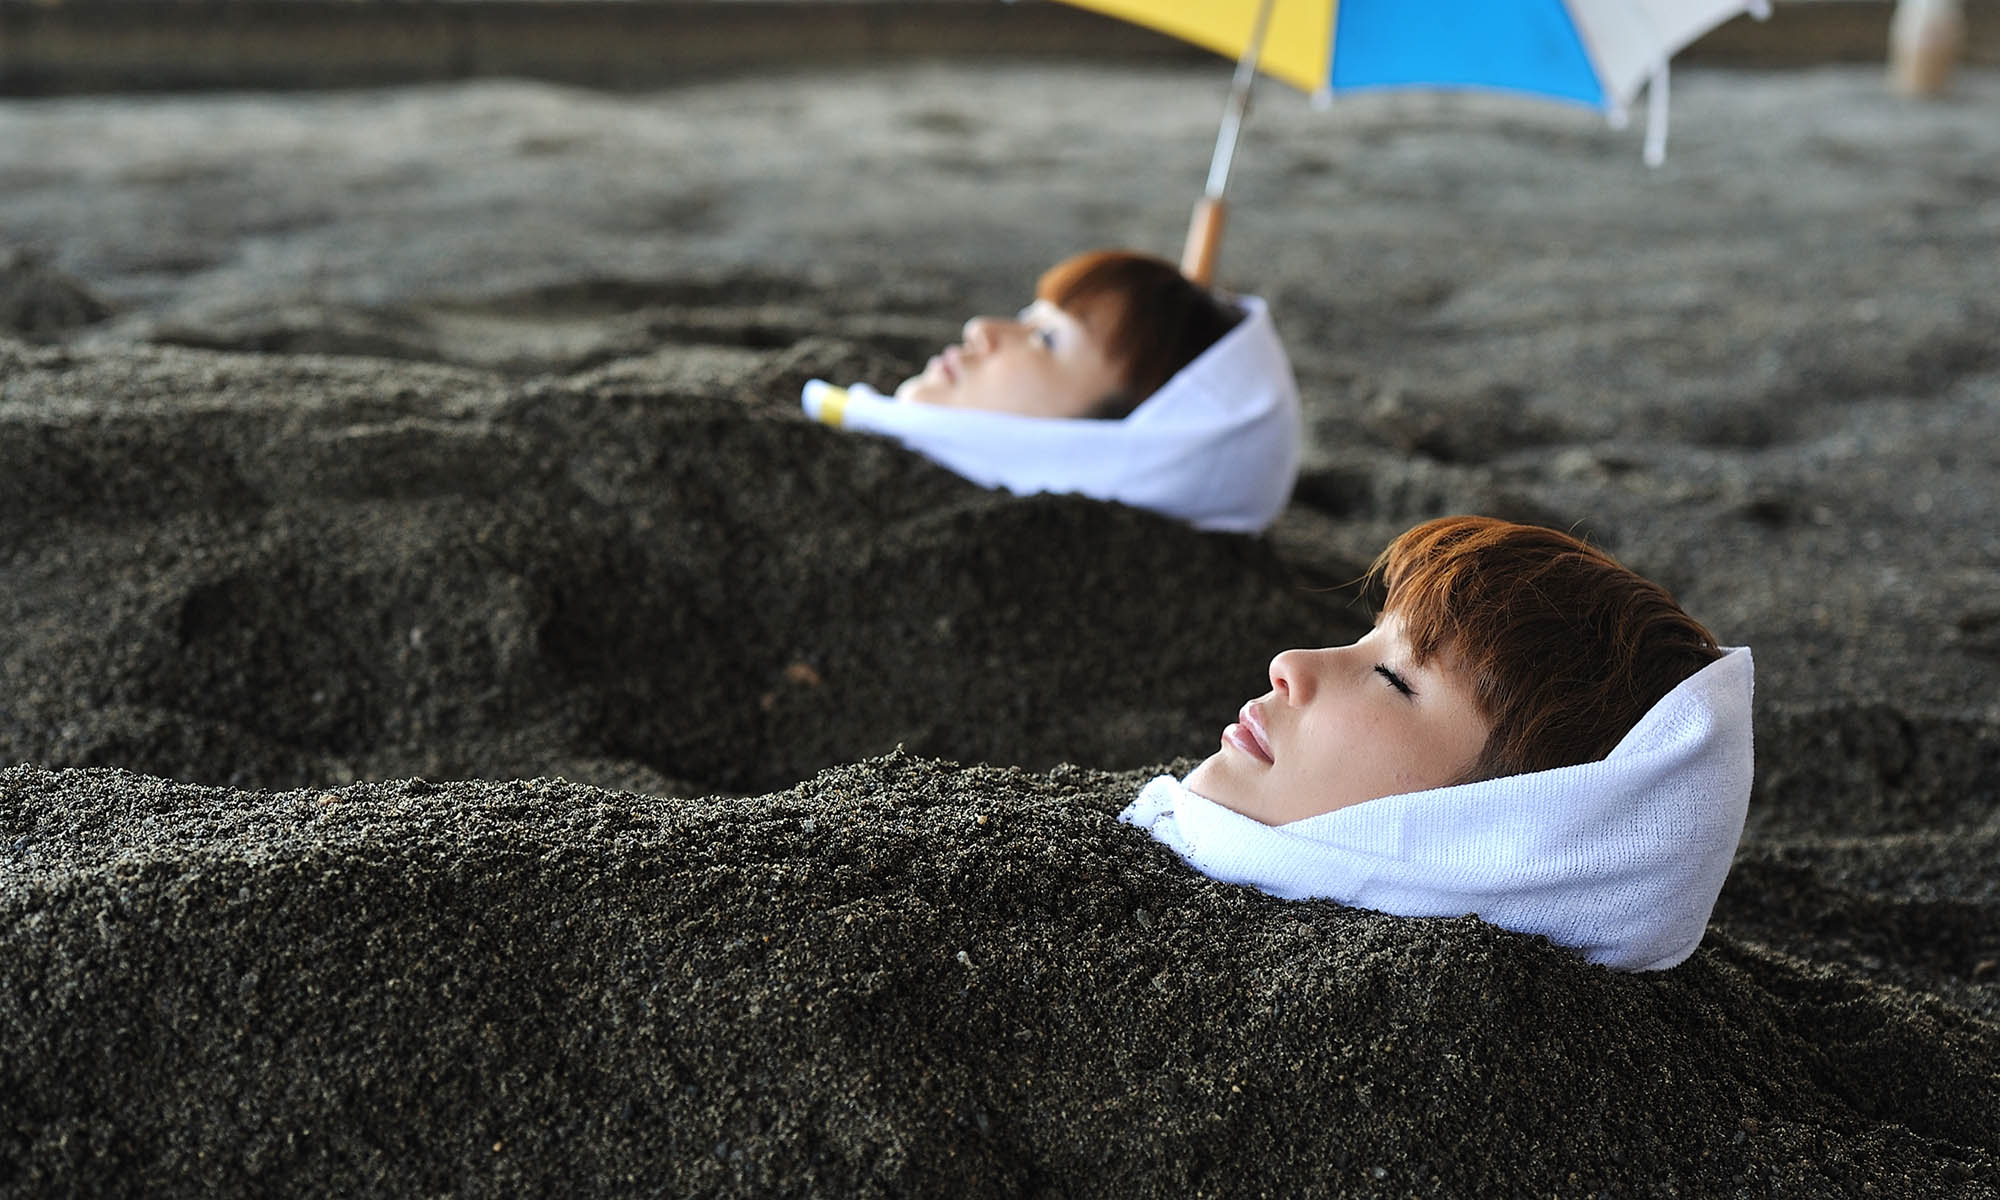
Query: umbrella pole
(1204, 239)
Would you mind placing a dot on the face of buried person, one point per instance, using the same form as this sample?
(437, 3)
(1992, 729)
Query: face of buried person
(1343, 725)
(1045, 362)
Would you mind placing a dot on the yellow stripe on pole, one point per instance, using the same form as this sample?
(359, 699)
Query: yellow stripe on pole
(1296, 49)
(825, 403)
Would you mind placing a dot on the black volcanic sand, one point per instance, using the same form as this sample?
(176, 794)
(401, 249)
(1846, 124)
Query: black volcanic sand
(901, 977)
(350, 442)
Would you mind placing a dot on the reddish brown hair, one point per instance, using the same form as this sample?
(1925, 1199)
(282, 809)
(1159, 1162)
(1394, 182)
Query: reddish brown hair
(1150, 319)
(1564, 647)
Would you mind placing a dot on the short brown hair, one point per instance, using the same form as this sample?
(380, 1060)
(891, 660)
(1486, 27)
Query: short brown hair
(1151, 319)
(1564, 647)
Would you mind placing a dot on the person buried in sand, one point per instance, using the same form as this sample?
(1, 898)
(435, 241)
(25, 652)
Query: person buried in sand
(1123, 381)
(1532, 733)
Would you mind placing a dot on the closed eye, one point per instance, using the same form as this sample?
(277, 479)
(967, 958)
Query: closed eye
(1395, 680)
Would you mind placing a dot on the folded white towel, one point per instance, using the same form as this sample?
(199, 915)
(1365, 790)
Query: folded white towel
(1619, 859)
(1217, 446)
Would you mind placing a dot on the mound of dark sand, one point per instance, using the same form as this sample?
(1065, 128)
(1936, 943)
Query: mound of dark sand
(37, 301)
(901, 977)
(276, 572)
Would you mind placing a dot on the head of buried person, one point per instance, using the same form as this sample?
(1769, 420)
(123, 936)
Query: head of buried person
(1105, 330)
(1531, 732)
(1122, 380)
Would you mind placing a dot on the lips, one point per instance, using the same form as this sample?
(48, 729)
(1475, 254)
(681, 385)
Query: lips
(950, 361)
(1247, 734)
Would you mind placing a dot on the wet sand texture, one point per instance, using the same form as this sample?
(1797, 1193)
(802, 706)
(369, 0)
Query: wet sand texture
(477, 738)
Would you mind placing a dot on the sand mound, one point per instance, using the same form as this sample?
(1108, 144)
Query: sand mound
(900, 977)
(37, 301)
(322, 568)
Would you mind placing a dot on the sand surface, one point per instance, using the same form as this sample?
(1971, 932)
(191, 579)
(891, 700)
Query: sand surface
(352, 441)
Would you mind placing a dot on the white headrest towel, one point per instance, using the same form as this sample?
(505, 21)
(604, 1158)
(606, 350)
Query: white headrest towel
(1217, 446)
(1619, 859)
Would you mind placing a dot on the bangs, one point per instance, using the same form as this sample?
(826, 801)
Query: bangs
(1431, 578)
(1084, 285)
(1074, 279)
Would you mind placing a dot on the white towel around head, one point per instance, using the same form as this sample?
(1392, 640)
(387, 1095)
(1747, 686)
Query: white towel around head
(1620, 859)
(1217, 446)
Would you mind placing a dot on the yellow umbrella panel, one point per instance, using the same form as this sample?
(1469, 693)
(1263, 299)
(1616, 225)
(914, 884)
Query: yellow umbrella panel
(1297, 45)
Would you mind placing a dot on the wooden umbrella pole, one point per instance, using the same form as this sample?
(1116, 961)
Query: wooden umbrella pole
(1204, 240)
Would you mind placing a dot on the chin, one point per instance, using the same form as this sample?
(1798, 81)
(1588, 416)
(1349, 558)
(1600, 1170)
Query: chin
(1204, 774)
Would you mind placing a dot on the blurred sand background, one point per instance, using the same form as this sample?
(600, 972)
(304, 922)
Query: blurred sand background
(448, 430)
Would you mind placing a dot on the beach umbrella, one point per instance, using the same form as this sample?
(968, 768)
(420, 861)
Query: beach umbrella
(1596, 53)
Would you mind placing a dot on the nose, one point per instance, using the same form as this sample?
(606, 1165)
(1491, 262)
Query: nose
(1294, 674)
